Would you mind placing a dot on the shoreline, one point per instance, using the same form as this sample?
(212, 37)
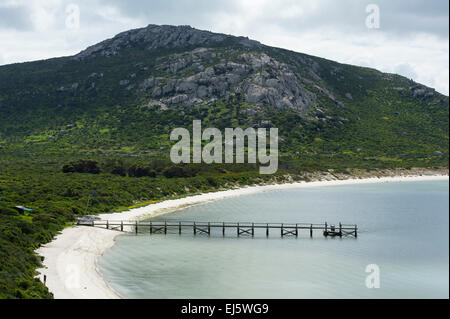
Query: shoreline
(70, 259)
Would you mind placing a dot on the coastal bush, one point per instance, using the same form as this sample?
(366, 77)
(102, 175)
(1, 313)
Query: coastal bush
(179, 171)
(17, 260)
(139, 171)
(8, 211)
(82, 166)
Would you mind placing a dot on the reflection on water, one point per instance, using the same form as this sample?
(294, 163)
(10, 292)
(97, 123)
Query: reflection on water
(403, 229)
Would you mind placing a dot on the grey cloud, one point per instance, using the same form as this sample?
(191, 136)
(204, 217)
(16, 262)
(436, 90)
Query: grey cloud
(15, 18)
(174, 12)
(406, 70)
(416, 16)
(397, 17)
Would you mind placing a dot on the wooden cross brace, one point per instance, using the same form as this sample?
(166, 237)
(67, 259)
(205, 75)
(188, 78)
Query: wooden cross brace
(245, 231)
(157, 230)
(293, 232)
(202, 230)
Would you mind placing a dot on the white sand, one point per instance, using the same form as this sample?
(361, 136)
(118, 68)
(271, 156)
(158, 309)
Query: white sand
(70, 259)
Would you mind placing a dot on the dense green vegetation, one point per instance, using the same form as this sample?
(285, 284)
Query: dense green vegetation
(99, 148)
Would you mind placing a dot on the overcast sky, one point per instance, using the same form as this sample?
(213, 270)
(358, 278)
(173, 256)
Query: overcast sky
(412, 37)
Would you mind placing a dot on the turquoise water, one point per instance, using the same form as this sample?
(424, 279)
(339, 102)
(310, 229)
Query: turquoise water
(404, 229)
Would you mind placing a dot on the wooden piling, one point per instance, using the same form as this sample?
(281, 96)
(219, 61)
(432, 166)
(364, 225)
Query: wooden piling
(209, 229)
(223, 229)
(136, 227)
(195, 229)
(121, 225)
(107, 224)
(179, 228)
(282, 230)
(267, 231)
(253, 229)
(311, 231)
(296, 230)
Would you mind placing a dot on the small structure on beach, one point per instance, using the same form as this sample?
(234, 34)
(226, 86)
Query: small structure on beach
(22, 209)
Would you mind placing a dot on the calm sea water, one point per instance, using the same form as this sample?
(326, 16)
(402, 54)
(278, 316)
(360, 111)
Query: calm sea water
(404, 229)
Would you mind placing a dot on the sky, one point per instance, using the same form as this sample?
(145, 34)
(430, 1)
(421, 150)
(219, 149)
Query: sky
(407, 37)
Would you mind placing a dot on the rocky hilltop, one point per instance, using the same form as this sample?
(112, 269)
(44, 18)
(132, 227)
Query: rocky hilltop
(208, 73)
(219, 66)
(155, 37)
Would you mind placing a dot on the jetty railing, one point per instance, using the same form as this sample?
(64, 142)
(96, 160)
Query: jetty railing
(225, 228)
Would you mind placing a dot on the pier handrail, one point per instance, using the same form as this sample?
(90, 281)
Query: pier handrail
(112, 224)
(184, 222)
(242, 228)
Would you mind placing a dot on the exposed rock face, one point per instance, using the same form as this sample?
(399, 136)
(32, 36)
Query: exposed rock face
(257, 77)
(421, 92)
(155, 37)
(416, 90)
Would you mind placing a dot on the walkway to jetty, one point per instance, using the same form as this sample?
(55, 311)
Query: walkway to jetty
(225, 228)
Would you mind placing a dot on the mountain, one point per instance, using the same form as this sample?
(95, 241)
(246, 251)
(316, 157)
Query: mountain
(89, 133)
(128, 92)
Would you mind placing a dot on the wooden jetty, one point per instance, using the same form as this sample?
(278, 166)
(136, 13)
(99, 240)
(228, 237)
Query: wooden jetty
(224, 228)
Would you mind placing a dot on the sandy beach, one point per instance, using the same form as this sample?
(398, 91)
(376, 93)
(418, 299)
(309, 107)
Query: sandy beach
(70, 259)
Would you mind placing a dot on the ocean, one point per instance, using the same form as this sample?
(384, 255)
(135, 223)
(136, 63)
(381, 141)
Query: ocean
(402, 249)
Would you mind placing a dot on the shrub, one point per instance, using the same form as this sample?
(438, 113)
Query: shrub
(178, 171)
(138, 171)
(8, 211)
(82, 166)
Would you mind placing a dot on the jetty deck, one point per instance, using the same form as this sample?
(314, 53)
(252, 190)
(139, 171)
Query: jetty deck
(226, 228)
